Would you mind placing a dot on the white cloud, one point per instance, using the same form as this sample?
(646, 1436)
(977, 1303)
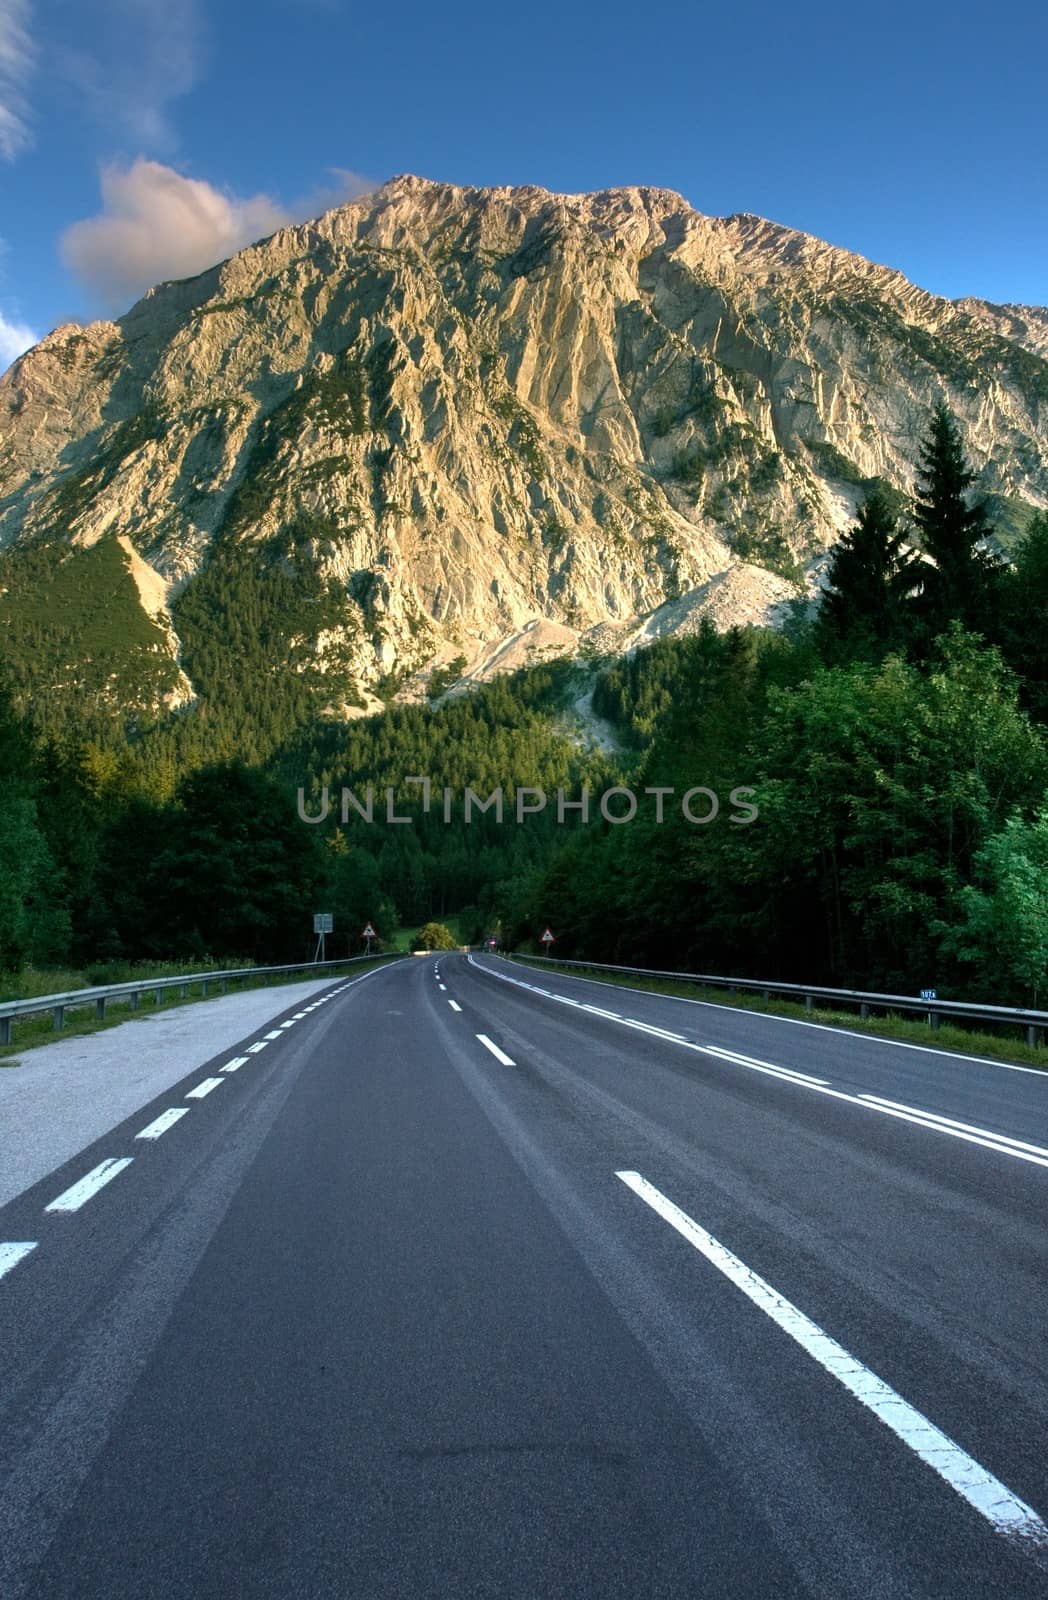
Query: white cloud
(156, 224)
(14, 338)
(136, 56)
(17, 56)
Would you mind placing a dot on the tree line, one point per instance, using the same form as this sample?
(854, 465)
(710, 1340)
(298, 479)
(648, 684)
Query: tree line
(896, 743)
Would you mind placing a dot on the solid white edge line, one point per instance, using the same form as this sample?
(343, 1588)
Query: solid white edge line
(204, 1088)
(79, 1193)
(1001, 1143)
(951, 1122)
(453, 1006)
(12, 1254)
(795, 1022)
(500, 1055)
(984, 1493)
(166, 1119)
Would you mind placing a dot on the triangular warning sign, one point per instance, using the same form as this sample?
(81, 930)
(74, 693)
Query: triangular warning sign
(369, 933)
(547, 937)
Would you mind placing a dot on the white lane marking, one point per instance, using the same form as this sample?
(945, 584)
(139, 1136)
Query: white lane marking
(253, 1049)
(299, 1015)
(166, 1119)
(740, 1060)
(1004, 1510)
(1003, 1144)
(73, 1198)
(453, 1006)
(274, 1035)
(646, 1027)
(12, 1254)
(443, 987)
(290, 1024)
(235, 1064)
(500, 1055)
(1036, 1154)
(794, 1022)
(203, 1088)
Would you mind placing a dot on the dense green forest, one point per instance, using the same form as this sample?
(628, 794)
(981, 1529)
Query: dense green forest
(895, 744)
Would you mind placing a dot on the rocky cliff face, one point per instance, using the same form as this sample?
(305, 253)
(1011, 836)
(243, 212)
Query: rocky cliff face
(493, 420)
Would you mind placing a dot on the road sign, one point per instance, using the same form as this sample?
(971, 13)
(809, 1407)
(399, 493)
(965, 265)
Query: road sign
(323, 922)
(929, 994)
(369, 933)
(547, 937)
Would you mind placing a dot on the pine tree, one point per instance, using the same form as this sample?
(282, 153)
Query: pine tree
(962, 585)
(871, 580)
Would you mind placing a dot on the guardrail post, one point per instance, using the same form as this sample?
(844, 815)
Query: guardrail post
(100, 1009)
(59, 1017)
(5, 1030)
(183, 990)
(222, 986)
(864, 1010)
(133, 1001)
(1034, 1036)
(809, 1002)
(158, 997)
(933, 1021)
(203, 986)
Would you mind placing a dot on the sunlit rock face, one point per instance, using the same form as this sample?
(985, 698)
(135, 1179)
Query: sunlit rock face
(475, 411)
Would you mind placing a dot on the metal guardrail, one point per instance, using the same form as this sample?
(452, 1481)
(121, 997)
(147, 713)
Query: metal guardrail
(1035, 1022)
(59, 1004)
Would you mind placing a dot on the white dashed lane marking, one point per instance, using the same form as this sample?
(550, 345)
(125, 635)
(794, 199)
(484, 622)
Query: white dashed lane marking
(166, 1119)
(73, 1198)
(12, 1254)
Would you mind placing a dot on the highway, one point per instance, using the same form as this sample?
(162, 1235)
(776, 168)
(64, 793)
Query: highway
(473, 1279)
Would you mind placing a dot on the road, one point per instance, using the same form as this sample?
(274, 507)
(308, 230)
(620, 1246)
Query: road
(470, 1279)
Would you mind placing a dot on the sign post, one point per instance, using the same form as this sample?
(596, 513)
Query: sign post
(323, 924)
(368, 934)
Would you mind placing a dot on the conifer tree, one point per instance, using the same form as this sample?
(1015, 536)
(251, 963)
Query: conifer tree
(962, 584)
(871, 580)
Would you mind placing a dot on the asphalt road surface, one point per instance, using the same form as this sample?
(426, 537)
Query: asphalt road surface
(470, 1279)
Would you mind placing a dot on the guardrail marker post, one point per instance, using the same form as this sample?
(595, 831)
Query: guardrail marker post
(203, 987)
(933, 1021)
(158, 997)
(1034, 1036)
(5, 1030)
(59, 1018)
(809, 1002)
(133, 1001)
(100, 1009)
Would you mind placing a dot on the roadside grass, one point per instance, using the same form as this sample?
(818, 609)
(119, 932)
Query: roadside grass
(1009, 1044)
(31, 1032)
(34, 981)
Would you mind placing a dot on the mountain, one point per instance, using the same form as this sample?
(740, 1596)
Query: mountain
(463, 428)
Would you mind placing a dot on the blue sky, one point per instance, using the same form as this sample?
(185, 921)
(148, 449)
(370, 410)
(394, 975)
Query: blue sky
(915, 134)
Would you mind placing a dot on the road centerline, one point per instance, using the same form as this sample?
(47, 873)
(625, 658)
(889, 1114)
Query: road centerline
(986, 1494)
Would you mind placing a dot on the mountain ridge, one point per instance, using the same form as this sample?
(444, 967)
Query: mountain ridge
(463, 412)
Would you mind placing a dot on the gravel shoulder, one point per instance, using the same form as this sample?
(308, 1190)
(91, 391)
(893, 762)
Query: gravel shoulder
(67, 1094)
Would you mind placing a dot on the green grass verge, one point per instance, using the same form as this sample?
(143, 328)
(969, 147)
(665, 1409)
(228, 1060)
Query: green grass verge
(34, 981)
(31, 1032)
(1007, 1045)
